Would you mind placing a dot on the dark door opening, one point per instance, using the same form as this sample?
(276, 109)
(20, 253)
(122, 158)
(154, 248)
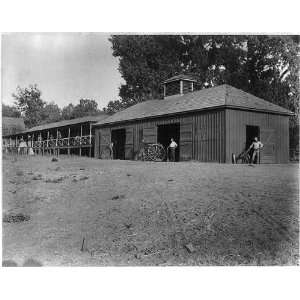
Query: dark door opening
(251, 133)
(165, 133)
(118, 137)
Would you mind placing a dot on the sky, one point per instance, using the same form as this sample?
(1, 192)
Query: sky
(65, 66)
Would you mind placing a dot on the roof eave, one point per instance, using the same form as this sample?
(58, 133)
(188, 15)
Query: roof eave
(197, 110)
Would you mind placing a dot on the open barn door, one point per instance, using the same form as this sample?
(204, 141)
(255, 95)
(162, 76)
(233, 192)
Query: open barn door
(267, 137)
(186, 142)
(129, 143)
(105, 137)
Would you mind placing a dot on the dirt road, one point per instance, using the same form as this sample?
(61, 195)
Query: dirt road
(89, 212)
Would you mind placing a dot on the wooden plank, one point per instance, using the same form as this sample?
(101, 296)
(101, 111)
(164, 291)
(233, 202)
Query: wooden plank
(105, 138)
(128, 151)
(186, 146)
(129, 136)
(268, 152)
(150, 134)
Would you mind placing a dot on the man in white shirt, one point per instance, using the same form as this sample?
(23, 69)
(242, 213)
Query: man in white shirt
(172, 147)
(256, 145)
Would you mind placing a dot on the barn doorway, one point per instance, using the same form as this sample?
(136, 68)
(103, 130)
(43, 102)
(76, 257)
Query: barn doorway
(118, 137)
(251, 133)
(165, 133)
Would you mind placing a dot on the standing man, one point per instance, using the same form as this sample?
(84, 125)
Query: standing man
(172, 148)
(256, 145)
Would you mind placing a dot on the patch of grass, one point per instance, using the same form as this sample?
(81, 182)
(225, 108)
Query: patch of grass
(37, 177)
(55, 180)
(9, 263)
(32, 263)
(11, 218)
(118, 197)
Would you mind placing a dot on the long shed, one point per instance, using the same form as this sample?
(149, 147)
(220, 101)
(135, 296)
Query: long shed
(209, 125)
(75, 136)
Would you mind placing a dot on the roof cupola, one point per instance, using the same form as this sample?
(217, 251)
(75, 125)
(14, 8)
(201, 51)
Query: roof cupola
(179, 85)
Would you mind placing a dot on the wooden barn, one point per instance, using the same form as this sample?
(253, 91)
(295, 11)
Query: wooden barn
(209, 125)
(75, 137)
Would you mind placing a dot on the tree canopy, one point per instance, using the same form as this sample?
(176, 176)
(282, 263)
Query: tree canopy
(29, 102)
(35, 111)
(265, 66)
(10, 111)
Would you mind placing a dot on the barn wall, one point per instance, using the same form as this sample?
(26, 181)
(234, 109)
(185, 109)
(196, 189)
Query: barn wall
(202, 135)
(236, 121)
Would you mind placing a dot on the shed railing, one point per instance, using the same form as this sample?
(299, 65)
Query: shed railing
(77, 141)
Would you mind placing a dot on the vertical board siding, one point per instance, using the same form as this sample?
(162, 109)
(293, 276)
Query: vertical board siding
(97, 143)
(236, 121)
(202, 134)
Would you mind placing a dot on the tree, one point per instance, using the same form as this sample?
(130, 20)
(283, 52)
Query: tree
(145, 61)
(117, 105)
(29, 102)
(266, 66)
(51, 113)
(67, 112)
(10, 111)
(86, 107)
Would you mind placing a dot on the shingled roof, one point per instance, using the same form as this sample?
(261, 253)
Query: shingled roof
(220, 96)
(64, 123)
(69, 122)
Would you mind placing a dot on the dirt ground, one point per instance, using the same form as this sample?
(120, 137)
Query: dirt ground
(90, 212)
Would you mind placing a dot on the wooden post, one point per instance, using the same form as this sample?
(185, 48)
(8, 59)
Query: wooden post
(42, 144)
(90, 148)
(47, 143)
(80, 140)
(57, 151)
(69, 140)
(32, 142)
(181, 87)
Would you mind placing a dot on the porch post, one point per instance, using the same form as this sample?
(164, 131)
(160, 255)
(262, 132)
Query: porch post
(48, 142)
(42, 144)
(32, 142)
(90, 148)
(80, 140)
(69, 133)
(57, 149)
(181, 87)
